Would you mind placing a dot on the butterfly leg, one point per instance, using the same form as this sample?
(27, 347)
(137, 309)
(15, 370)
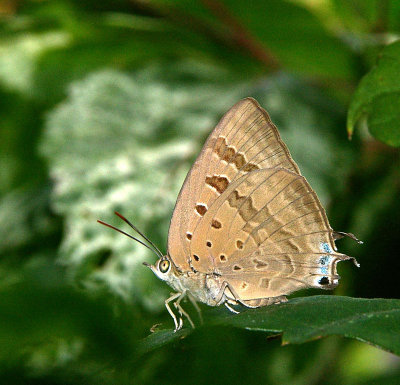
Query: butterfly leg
(221, 292)
(167, 301)
(226, 285)
(231, 308)
(182, 312)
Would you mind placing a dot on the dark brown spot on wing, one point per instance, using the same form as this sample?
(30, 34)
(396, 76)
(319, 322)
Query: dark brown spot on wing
(189, 236)
(235, 199)
(259, 264)
(244, 285)
(239, 161)
(222, 257)
(223, 151)
(220, 146)
(216, 224)
(230, 155)
(237, 267)
(219, 183)
(196, 257)
(201, 209)
(250, 167)
(244, 205)
(239, 244)
(209, 244)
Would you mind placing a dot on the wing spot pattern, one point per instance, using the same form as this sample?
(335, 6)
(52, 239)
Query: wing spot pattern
(324, 281)
(209, 244)
(259, 264)
(244, 204)
(189, 236)
(229, 155)
(250, 167)
(237, 267)
(196, 257)
(201, 209)
(220, 146)
(239, 244)
(222, 257)
(293, 245)
(216, 224)
(219, 183)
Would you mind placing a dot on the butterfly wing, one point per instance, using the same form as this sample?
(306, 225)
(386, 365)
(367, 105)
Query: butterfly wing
(245, 140)
(277, 238)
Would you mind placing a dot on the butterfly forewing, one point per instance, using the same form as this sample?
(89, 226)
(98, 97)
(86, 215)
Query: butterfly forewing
(245, 140)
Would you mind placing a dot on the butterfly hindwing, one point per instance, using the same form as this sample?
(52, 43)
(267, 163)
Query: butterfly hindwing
(277, 238)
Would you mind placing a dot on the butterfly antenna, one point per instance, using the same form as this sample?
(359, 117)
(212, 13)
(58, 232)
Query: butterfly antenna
(139, 232)
(128, 235)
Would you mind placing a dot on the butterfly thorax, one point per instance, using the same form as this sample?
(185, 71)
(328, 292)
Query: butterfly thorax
(201, 286)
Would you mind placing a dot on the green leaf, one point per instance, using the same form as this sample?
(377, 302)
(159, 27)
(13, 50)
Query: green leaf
(297, 37)
(367, 15)
(160, 338)
(376, 321)
(377, 98)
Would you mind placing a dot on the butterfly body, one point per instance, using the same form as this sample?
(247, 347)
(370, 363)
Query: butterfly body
(210, 289)
(202, 287)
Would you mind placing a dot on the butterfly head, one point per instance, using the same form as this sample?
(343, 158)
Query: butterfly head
(163, 268)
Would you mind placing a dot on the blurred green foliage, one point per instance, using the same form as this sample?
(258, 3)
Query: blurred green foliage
(378, 98)
(105, 105)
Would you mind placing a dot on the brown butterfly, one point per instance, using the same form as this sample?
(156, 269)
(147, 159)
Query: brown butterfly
(247, 228)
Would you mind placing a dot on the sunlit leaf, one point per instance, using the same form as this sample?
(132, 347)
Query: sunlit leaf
(377, 98)
(376, 321)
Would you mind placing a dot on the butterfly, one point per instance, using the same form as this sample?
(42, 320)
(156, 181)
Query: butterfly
(247, 228)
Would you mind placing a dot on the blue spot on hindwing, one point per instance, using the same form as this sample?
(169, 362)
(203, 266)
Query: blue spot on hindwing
(325, 247)
(324, 270)
(324, 262)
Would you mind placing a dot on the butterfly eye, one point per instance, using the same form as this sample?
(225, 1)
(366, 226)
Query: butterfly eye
(164, 266)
